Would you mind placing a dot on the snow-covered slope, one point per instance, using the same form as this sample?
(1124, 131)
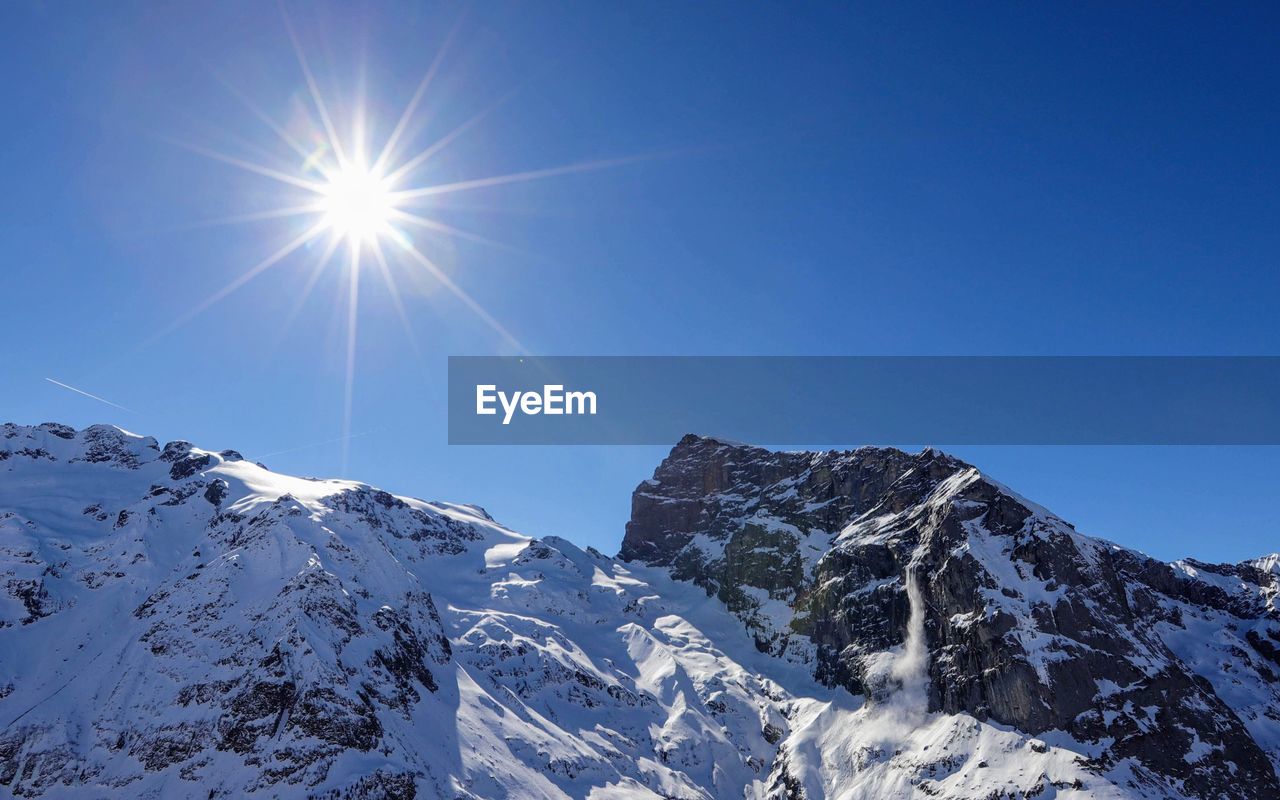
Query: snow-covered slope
(970, 620)
(176, 622)
(185, 623)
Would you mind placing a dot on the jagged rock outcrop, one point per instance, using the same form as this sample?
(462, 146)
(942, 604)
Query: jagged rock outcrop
(1028, 623)
(181, 622)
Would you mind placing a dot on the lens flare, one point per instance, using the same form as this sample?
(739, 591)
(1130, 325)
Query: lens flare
(367, 199)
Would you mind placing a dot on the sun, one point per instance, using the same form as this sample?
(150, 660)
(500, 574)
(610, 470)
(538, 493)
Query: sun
(357, 204)
(373, 200)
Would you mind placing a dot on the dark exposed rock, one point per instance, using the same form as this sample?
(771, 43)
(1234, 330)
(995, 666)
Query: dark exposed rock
(185, 463)
(382, 511)
(58, 429)
(257, 710)
(381, 785)
(216, 492)
(108, 444)
(291, 647)
(33, 595)
(189, 465)
(1027, 623)
(405, 661)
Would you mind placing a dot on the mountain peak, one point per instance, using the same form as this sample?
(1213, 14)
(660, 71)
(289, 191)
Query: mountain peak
(1021, 619)
(179, 621)
(705, 483)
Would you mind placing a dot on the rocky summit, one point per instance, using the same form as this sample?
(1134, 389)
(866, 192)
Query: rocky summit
(181, 622)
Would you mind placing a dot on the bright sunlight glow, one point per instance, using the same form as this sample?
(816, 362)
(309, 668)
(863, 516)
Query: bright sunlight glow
(363, 198)
(357, 204)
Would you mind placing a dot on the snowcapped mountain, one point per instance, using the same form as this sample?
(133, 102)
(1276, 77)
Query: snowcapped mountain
(176, 622)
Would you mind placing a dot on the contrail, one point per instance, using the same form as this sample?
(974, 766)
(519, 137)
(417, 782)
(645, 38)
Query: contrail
(319, 444)
(90, 396)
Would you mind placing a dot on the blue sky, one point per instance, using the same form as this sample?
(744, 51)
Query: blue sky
(856, 179)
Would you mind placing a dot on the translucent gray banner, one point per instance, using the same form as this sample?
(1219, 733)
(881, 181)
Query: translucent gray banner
(865, 400)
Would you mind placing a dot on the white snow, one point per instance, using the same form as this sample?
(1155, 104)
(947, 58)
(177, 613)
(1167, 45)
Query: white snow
(571, 674)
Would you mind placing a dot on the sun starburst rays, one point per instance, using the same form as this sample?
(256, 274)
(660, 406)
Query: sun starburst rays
(358, 198)
(345, 195)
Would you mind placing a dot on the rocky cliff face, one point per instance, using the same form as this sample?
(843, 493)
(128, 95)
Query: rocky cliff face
(178, 622)
(1168, 670)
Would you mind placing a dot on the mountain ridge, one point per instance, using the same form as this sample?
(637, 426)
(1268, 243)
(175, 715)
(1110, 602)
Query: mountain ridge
(1028, 621)
(182, 622)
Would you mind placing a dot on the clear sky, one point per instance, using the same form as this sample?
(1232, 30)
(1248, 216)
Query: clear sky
(892, 178)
